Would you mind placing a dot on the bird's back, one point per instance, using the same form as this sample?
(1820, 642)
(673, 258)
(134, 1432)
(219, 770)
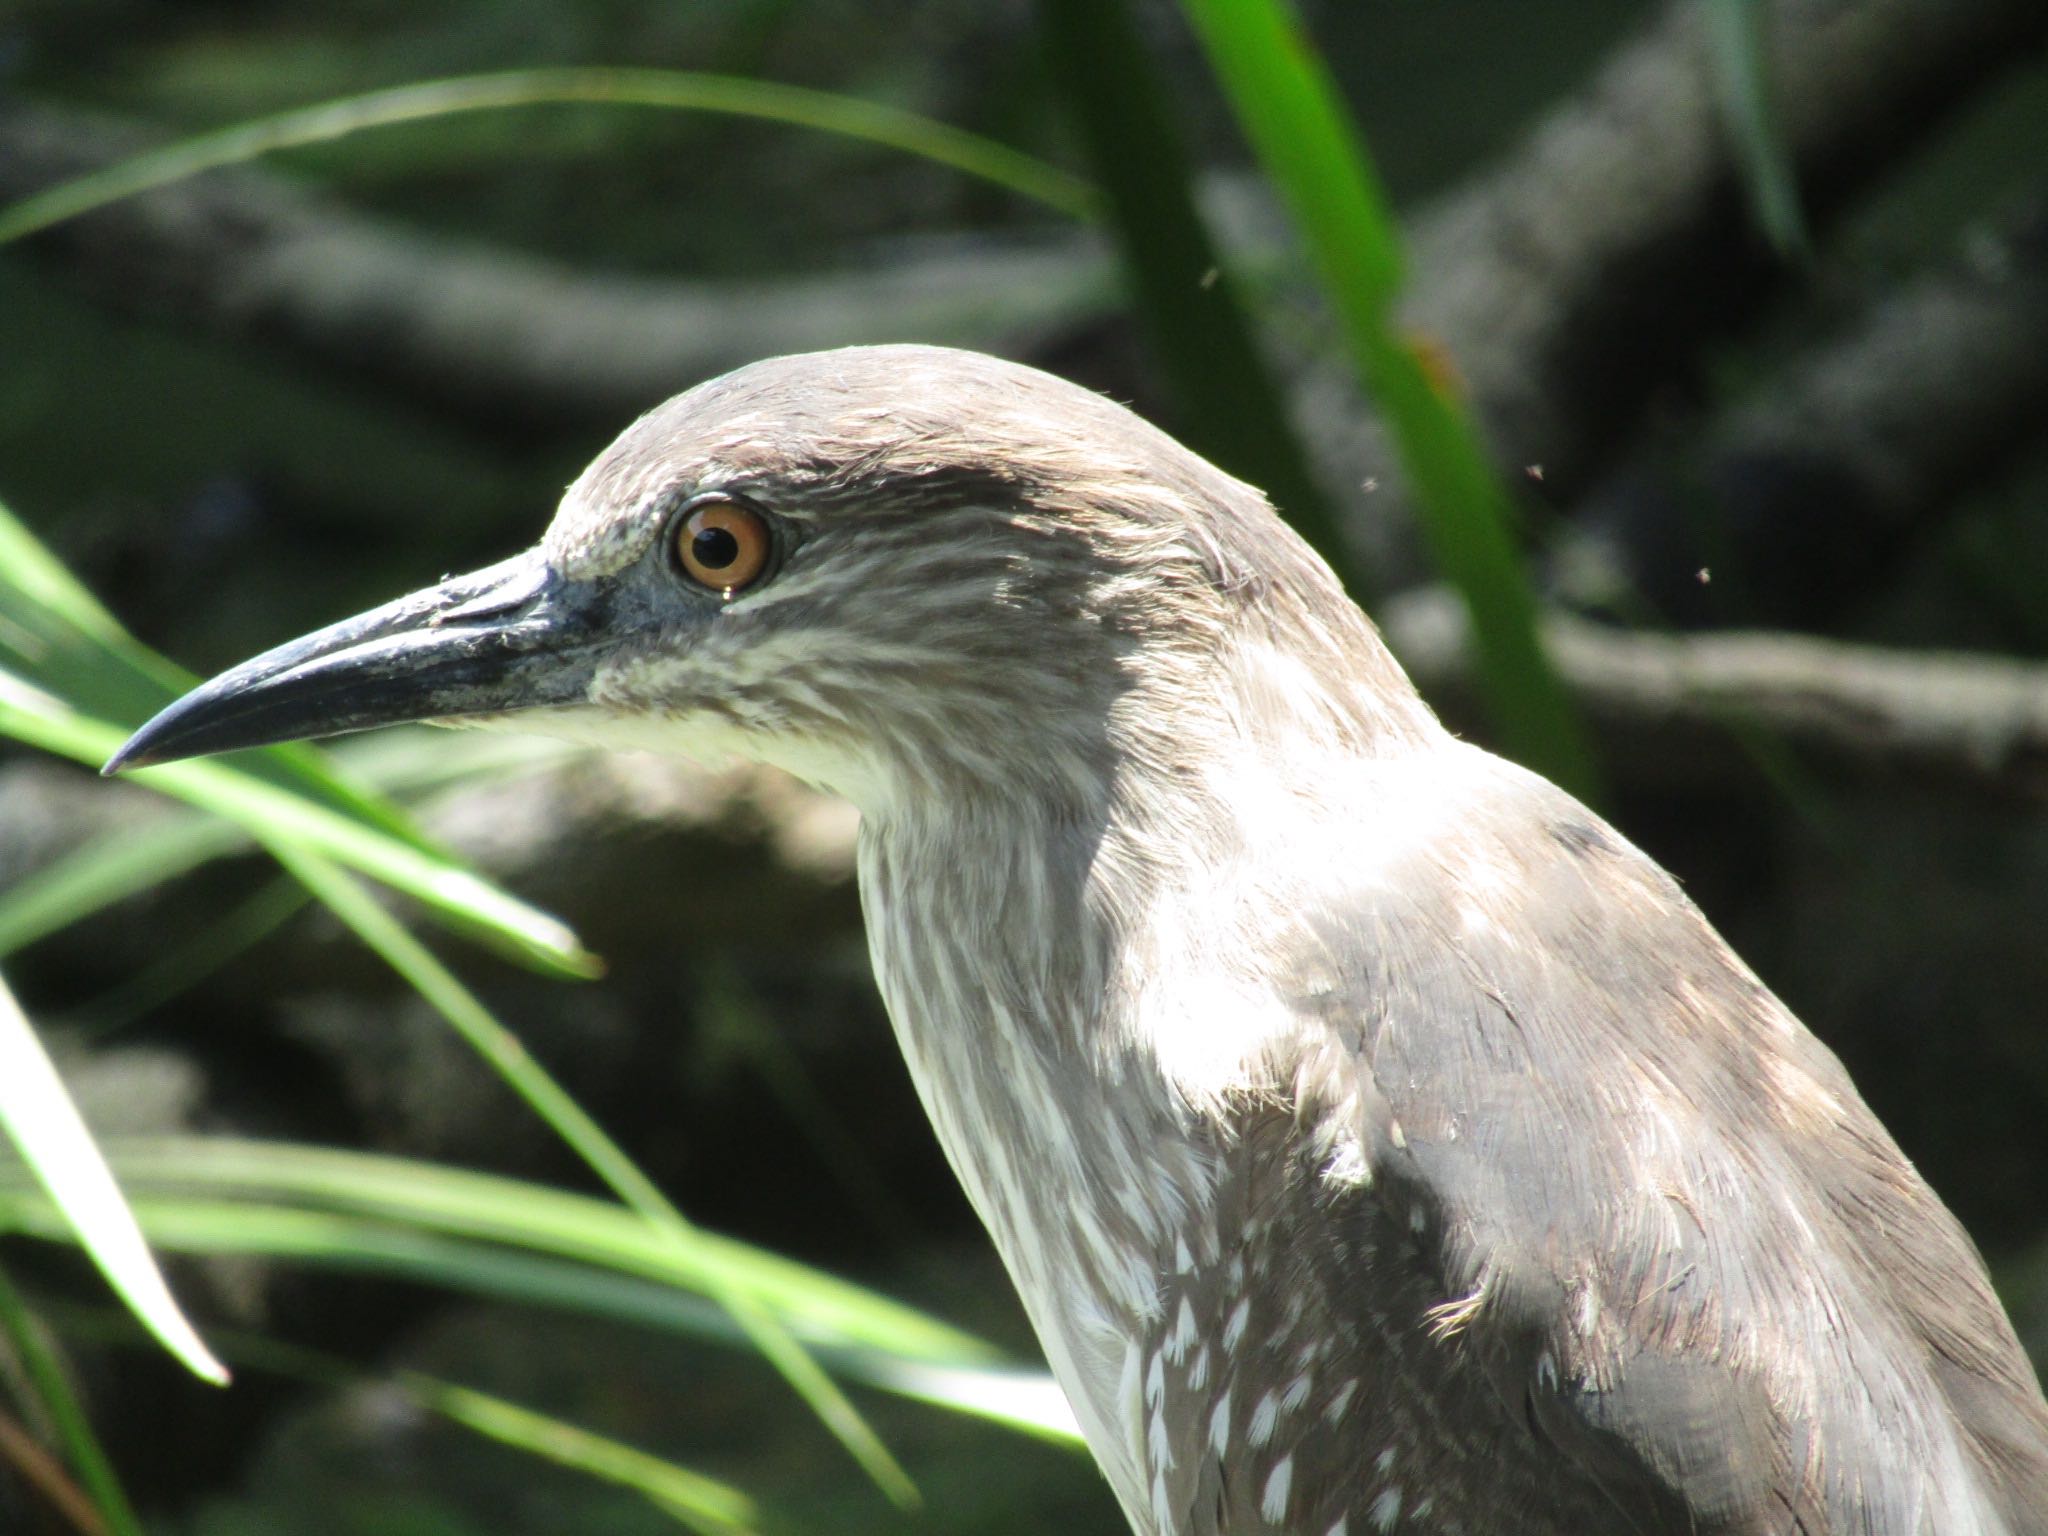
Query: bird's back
(1547, 1211)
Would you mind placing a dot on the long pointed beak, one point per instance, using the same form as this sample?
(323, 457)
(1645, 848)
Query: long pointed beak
(510, 637)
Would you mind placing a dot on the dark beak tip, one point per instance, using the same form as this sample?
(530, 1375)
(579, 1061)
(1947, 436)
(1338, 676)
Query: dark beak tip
(391, 665)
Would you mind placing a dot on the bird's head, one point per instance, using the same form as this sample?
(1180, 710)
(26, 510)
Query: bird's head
(878, 567)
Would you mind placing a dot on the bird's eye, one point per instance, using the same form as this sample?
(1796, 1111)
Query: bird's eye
(722, 544)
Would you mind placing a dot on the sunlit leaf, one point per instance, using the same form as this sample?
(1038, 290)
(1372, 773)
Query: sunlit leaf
(523, 1242)
(110, 868)
(1290, 110)
(568, 1119)
(280, 817)
(44, 1125)
(673, 89)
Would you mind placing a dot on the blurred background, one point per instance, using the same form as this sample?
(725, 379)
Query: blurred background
(1749, 304)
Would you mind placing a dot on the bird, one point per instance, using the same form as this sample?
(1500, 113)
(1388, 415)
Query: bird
(1376, 1139)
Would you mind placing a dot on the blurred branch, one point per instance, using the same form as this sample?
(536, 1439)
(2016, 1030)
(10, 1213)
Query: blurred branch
(1565, 281)
(490, 333)
(1674, 711)
(1802, 494)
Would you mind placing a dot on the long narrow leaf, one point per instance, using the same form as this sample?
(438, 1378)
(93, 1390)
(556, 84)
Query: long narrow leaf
(280, 817)
(46, 1376)
(1229, 406)
(698, 1501)
(65, 642)
(491, 1040)
(1290, 111)
(521, 1242)
(491, 1208)
(116, 865)
(176, 967)
(44, 1125)
(675, 89)
(1738, 50)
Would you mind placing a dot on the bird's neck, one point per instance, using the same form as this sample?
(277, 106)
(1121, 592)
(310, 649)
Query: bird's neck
(1029, 946)
(996, 961)
(1038, 904)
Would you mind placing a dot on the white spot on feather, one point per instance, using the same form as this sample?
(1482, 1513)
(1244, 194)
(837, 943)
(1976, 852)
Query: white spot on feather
(1183, 1336)
(1219, 1424)
(1279, 1483)
(1341, 1401)
(1386, 1509)
(1234, 1325)
(1265, 1416)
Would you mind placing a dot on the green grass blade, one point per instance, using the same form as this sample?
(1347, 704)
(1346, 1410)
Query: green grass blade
(65, 642)
(502, 1051)
(1185, 301)
(699, 1502)
(1737, 48)
(176, 968)
(107, 870)
(47, 1377)
(527, 1243)
(80, 670)
(279, 818)
(490, 1208)
(41, 577)
(825, 111)
(1290, 111)
(44, 1125)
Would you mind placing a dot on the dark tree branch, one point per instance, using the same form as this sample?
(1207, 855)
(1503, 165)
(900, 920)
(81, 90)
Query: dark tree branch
(489, 334)
(1581, 270)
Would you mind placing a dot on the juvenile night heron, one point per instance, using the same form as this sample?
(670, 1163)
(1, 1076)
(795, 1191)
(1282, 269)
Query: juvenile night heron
(1377, 1140)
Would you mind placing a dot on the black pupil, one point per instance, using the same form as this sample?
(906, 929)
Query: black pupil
(714, 548)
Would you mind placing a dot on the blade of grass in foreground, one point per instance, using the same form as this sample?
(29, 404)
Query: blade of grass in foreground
(673, 89)
(1738, 50)
(491, 1208)
(517, 1241)
(44, 1125)
(1290, 111)
(46, 1377)
(699, 1502)
(279, 817)
(107, 869)
(502, 1051)
(1186, 302)
(68, 669)
(64, 641)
